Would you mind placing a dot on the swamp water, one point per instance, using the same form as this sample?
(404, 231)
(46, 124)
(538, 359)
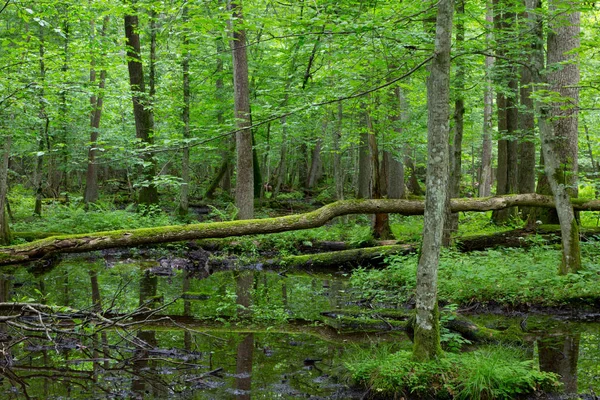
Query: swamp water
(195, 345)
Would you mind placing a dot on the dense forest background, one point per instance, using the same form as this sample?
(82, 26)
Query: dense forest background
(335, 97)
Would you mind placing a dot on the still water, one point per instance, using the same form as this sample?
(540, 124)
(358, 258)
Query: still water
(224, 335)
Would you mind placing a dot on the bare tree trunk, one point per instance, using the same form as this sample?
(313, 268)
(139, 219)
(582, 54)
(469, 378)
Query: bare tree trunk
(364, 161)
(244, 187)
(396, 189)
(5, 236)
(96, 100)
(558, 126)
(338, 172)
(184, 191)
(44, 126)
(527, 160)
(315, 166)
(457, 133)
(142, 111)
(504, 21)
(427, 329)
(485, 180)
(381, 222)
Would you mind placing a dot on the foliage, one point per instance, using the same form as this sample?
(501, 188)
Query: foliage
(72, 218)
(486, 373)
(504, 276)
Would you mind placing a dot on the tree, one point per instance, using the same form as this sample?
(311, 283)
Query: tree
(427, 329)
(244, 187)
(96, 101)
(556, 106)
(142, 110)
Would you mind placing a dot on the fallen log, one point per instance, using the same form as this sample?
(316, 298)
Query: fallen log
(81, 243)
(353, 257)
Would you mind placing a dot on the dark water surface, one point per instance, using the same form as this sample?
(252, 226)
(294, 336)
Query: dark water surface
(230, 335)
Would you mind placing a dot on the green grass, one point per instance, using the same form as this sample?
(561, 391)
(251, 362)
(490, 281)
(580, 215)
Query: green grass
(486, 373)
(505, 276)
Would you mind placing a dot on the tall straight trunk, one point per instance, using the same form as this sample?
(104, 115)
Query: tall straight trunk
(43, 134)
(364, 159)
(142, 111)
(558, 125)
(91, 193)
(526, 151)
(244, 187)
(504, 20)
(457, 132)
(282, 167)
(338, 172)
(315, 163)
(396, 188)
(485, 179)
(381, 222)
(427, 328)
(185, 118)
(61, 177)
(5, 236)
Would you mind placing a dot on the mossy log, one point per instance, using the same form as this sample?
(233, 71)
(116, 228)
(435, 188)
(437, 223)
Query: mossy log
(126, 238)
(517, 237)
(394, 320)
(374, 256)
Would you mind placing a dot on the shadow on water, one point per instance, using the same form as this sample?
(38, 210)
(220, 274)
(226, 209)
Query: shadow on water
(228, 335)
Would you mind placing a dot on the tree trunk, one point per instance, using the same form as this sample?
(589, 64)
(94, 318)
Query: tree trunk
(135, 237)
(427, 330)
(338, 173)
(142, 111)
(527, 160)
(504, 22)
(381, 222)
(185, 118)
(364, 162)
(5, 236)
(485, 179)
(557, 121)
(315, 164)
(244, 187)
(395, 176)
(96, 100)
(457, 132)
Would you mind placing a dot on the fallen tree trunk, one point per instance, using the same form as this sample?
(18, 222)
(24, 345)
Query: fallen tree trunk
(126, 238)
(351, 257)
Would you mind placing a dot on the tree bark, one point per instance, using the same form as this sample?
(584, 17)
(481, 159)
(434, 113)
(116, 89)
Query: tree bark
(485, 179)
(142, 111)
(427, 330)
(96, 101)
(244, 187)
(457, 132)
(338, 173)
(5, 236)
(185, 118)
(557, 121)
(364, 160)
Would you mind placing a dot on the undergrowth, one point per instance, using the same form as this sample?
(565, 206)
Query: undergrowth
(505, 276)
(486, 373)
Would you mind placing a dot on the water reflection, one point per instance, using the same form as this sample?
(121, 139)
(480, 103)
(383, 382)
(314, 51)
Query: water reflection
(559, 353)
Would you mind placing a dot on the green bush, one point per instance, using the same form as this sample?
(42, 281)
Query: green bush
(487, 373)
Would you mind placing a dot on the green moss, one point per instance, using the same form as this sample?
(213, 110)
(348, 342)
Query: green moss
(427, 345)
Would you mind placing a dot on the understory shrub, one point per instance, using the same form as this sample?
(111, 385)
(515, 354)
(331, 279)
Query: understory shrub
(486, 373)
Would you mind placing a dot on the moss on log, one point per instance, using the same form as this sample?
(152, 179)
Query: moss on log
(352, 257)
(125, 238)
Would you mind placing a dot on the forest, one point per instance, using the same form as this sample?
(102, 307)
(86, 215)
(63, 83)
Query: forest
(344, 199)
